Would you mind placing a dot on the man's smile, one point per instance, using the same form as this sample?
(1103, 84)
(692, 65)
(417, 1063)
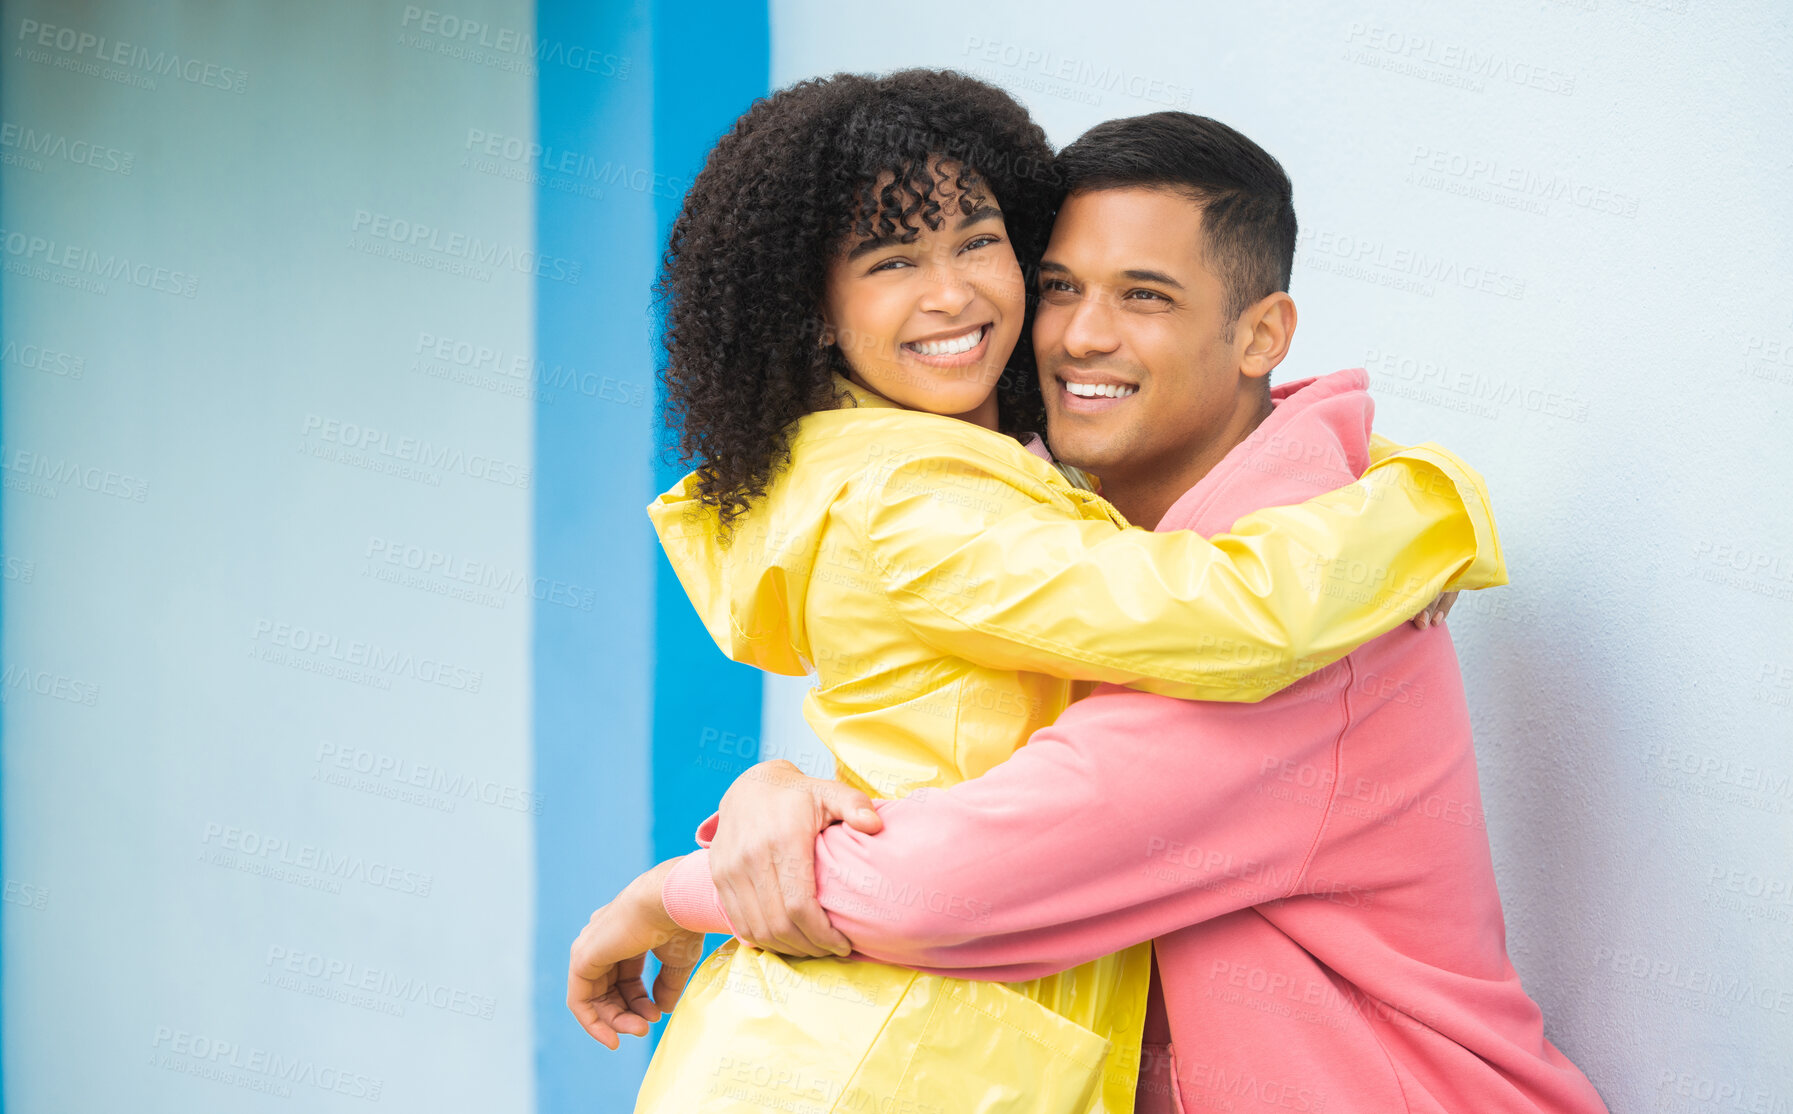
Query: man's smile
(1089, 392)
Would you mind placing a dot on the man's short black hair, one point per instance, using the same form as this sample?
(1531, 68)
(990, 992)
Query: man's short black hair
(1248, 210)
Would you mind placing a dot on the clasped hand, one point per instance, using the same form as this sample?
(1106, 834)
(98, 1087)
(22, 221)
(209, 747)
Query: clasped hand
(762, 860)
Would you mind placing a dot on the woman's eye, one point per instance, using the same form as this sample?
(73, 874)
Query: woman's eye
(982, 242)
(888, 264)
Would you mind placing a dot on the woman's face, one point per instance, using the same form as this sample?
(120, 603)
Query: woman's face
(929, 324)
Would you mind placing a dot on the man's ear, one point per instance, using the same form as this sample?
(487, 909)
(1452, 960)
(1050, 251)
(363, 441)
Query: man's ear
(1265, 331)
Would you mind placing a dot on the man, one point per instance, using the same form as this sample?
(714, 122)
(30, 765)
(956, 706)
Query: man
(1313, 869)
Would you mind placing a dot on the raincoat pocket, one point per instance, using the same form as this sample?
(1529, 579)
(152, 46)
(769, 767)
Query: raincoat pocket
(757, 1032)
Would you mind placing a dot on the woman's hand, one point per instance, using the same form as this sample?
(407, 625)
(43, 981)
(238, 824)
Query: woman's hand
(604, 988)
(763, 856)
(1434, 613)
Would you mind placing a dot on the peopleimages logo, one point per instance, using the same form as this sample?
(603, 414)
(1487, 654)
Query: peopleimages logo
(452, 568)
(86, 47)
(314, 650)
(459, 246)
(254, 1068)
(411, 457)
(1357, 256)
(503, 47)
(1455, 63)
(28, 466)
(27, 141)
(74, 259)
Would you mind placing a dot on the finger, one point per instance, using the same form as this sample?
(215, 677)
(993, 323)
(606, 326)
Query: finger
(843, 802)
(748, 915)
(582, 1000)
(797, 901)
(739, 915)
(799, 907)
(1445, 603)
(613, 1005)
(669, 984)
(611, 1012)
(634, 994)
(807, 914)
(770, 890)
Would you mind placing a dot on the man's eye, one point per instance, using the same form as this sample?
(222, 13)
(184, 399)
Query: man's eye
(1055, 286)
(1147, 294)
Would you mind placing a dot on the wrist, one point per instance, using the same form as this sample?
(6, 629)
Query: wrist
(645, 895)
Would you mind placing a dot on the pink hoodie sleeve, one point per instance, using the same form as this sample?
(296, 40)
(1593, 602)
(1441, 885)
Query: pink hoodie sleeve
(1133, 816)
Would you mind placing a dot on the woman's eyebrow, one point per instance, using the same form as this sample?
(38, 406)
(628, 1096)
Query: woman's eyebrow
(879, 243)
(981, 213)
(976, 216)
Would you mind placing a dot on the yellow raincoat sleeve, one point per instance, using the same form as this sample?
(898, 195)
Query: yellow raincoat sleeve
(980, 567)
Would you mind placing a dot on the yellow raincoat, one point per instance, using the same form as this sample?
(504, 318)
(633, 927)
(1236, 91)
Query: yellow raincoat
(945, 587)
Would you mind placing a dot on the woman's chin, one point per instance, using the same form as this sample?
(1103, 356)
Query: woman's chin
(952, 403)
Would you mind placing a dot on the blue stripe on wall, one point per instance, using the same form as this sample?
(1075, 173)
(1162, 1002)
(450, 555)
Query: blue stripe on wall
(640, 723)
(711, 60)
(4, 440)
(592, 670)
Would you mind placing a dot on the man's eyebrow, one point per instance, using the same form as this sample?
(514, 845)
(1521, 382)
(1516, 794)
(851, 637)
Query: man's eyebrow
(1158, 277)
(976, 216)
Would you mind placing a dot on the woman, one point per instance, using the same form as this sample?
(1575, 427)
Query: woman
(846, 300)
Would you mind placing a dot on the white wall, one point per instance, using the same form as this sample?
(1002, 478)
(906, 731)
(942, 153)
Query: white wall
(168, 734)
(1558, 237)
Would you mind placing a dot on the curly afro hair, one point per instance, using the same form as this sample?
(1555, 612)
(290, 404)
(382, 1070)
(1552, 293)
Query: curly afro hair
(745, 269)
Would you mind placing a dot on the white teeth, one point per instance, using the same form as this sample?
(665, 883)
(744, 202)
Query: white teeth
(950, 347)
(1100, 390)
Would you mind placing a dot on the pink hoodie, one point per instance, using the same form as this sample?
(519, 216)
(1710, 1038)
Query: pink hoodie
(1314, 868)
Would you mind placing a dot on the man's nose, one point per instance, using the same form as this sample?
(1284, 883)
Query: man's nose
(1090, 330)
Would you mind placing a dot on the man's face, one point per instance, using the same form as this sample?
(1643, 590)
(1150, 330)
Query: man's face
(1129, 335)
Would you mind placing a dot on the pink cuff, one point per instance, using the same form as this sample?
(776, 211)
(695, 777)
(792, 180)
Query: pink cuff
(706, 831)
(689, 896)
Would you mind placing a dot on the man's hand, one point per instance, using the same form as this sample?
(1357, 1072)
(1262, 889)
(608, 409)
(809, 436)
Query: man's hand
(763, 857)
(1434, 613)
(604, 988)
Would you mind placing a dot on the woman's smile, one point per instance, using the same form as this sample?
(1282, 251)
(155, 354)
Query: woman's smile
(957, 349)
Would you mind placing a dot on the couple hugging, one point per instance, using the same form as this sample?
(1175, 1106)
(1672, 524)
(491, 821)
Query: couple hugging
(1155, 788)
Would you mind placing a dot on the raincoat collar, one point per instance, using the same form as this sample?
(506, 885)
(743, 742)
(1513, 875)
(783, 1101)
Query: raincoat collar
(860, 395)
(1032, 442)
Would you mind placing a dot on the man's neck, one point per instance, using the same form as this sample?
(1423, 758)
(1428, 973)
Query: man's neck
(1143, 499)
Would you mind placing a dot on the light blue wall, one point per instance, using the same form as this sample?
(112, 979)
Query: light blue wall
(1557, 236)
(307, 495)
(269, 756)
